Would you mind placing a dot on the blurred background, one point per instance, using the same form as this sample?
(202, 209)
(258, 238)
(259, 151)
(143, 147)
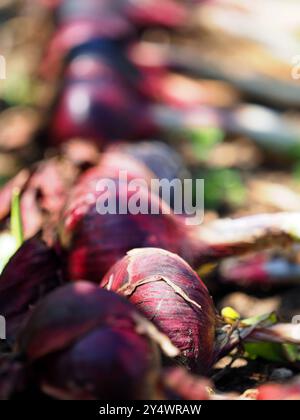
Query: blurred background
(218, 81)
(229, 70)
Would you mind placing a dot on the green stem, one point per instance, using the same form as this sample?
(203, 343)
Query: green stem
(16, 224)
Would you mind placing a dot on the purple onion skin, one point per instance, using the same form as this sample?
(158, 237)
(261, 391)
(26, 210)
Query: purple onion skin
(170, 294)
(83, 343)
(31, 273)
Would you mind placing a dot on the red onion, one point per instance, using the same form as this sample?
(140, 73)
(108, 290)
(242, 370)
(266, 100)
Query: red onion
(80, 22)
(99, 105)
(30, 274)
(169, 293)
(82, 342)
(93, 241)
(95, 248)
(172, 296)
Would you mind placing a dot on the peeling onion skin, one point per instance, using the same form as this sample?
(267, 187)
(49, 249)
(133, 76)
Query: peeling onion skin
(31, 273)
(170, 294)
(83, 342)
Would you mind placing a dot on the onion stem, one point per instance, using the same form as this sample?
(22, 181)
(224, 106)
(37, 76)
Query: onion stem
(16, 224)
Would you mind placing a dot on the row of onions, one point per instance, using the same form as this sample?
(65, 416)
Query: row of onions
(110, 306)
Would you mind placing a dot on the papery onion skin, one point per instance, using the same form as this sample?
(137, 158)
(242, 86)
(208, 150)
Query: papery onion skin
(170, 294)
(86, 343)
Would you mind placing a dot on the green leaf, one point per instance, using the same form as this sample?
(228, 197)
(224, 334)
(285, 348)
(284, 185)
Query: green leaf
(268, 351)
(223, 186)
(11, 241)
(204, 139)
(16, 218)
(272, 352)
(8, 247)
(261, 320)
